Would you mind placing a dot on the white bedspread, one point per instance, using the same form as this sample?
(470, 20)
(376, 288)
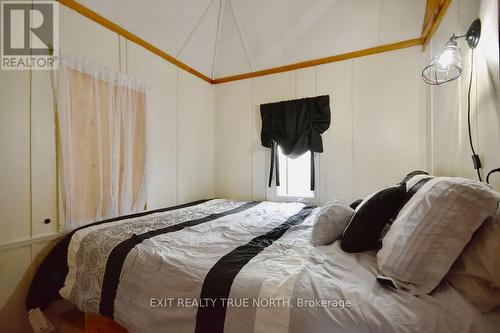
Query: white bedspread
(258, 261)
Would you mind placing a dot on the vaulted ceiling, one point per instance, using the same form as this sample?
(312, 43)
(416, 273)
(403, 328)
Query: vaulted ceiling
(221, 38)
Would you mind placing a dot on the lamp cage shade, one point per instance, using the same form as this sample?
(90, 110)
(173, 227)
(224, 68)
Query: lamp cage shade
(446, 66)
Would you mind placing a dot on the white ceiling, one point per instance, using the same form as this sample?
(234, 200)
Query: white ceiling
(226, 37)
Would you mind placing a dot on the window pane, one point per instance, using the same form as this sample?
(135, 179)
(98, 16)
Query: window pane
(299, 179)
(295, 176)
(282, 189)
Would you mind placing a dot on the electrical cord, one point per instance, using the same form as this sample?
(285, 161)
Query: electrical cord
(475, 157)
(489, 174)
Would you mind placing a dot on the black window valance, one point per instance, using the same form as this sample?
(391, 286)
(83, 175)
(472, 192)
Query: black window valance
(296, 127)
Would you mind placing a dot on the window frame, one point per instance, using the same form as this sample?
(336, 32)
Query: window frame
(272, 192)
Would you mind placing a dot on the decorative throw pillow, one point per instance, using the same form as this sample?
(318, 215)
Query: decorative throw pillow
(431, 231)
(331, 221)
(370, 223)
(476, 273)
(364, 231)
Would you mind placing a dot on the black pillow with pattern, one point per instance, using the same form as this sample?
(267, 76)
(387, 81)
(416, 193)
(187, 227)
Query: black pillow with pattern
(375, 214)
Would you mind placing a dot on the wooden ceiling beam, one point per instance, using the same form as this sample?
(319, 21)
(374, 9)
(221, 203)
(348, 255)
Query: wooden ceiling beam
(315, 62)
(131, 37)
(434, 13)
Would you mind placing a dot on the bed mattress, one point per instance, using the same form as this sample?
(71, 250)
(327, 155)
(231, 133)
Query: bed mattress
(233, 266)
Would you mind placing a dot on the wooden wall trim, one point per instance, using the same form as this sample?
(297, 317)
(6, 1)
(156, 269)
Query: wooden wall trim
(315, 62)
(434, 13)
(28, 241)
(345, 56)
(130, 36)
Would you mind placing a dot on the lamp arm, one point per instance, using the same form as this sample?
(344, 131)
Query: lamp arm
(455, 37)
(472, 36)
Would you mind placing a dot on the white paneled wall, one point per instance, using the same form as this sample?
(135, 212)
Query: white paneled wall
(181, 149)
(233, 152)
(388, 120)
(448, 103)
(378, 131)
(444, 102)
(15, 160)
(336, 166)
(15, 194)
(43, 155)
(195, 138)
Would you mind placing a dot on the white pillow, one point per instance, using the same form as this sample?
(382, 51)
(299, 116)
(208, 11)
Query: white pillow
(431, 231)
(476, 273)
(330, 222)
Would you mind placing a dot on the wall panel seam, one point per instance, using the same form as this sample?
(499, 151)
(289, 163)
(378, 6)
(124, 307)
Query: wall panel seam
(354, 169)
(252, 137)
(31, 152)
(177, 138)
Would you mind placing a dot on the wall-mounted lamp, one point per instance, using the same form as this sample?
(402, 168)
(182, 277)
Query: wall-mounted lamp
(446, 66)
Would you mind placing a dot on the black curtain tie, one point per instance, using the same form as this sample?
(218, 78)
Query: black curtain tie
(274, 159)
(277, 158)
(313, 185)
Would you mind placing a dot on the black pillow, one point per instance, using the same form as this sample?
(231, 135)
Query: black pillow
(355, 203)
(364, 231)
(413, 174)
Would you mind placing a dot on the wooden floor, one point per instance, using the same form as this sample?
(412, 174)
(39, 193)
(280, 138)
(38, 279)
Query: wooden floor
(75, 321)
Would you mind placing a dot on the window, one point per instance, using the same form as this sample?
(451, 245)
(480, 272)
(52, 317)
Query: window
(102, 132)
(295, 176)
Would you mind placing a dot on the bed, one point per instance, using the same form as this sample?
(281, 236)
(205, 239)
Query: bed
(233, 266)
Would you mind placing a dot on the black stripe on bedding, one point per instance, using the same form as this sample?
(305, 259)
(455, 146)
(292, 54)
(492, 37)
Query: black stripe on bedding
(144, 213)
(218, 281)
(117, 257)
(51, 273)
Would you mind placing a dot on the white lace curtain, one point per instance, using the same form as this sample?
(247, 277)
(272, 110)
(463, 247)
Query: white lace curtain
(102, 119)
